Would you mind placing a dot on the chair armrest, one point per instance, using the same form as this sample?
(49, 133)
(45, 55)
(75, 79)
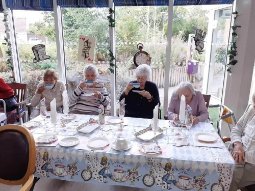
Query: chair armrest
(213, 106)
(226, 115)
(4, 105)
(29, 109)
(28, 184)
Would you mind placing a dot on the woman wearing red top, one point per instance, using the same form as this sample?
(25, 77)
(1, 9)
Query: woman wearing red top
(5, 90)
(7, 94)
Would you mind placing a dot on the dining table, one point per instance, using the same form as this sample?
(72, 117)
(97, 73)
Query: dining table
(170, 157)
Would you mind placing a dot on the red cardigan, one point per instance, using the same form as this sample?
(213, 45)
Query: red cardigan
(5, 90)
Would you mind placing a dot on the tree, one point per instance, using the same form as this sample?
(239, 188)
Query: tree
(187, 20)
(133, 25)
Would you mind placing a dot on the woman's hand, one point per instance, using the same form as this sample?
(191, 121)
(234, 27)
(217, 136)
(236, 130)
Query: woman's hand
(96, 84)
(238, 152)
(40, 90)
(128, 88)
(83, 85)
(98, 95)
(146, 94)
(195, 120)
(175, 117)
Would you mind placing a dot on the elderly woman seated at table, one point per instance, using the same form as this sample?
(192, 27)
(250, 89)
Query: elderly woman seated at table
(141, 96)
(7, 94)
(49, 89)
(90, 94)
(243, 149)
(193, 98)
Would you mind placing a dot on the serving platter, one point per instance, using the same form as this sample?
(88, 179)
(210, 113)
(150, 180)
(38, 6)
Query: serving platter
(46, 139)
(148, 134)
(32, 124)
(88, 128)
(150, 149)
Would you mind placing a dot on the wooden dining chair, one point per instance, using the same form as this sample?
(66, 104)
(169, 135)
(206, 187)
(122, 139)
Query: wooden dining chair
(226, 119)
(207, 98)
(3, 114)
(20, 92)
(18, 156)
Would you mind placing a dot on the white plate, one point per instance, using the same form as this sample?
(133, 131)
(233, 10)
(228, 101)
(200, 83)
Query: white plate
(137, 91)
(206, 137)
(46, 139)
(32, 124)
(69, 142)
(98, 143)
(148, 135)
(114, 120)
(89, 128)
(125, 149)
(68, 117)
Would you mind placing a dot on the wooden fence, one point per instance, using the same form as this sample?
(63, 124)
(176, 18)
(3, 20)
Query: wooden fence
(177, 74)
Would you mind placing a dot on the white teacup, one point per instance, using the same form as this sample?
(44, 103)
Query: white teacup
(121, 143)
(184, 181)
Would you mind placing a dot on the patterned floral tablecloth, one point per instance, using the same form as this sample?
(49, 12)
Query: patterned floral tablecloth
(178, 167)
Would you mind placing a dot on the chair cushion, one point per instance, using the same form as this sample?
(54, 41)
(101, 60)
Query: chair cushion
(2, 117)
(14, 155)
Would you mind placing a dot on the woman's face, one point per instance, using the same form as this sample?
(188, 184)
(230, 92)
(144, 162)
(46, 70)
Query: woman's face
(49, 80)
(142, 80)
(90, 75)
(187, 93)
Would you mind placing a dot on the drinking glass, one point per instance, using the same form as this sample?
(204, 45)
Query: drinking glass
(43, 114)
(122, 113)
(189, 122)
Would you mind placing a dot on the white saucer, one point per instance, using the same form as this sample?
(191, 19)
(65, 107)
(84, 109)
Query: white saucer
(137, 91)
(206, 137)
(114, 120)
(69, 142)
(125, 149)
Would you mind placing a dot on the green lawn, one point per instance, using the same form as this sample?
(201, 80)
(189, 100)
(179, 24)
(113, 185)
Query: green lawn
(214, 115)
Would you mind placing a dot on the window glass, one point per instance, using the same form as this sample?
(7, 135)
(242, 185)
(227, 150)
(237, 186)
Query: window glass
(30, 32)
(5, 70)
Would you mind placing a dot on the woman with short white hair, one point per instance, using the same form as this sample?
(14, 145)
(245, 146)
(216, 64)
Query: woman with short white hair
(89, 95)
(141, 96)
(49, 89)
(193, 98)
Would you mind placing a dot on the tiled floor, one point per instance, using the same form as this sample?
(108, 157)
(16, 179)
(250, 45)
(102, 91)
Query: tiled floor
(60, 185)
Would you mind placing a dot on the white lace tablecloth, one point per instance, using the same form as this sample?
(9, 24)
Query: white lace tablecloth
(188, 166)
